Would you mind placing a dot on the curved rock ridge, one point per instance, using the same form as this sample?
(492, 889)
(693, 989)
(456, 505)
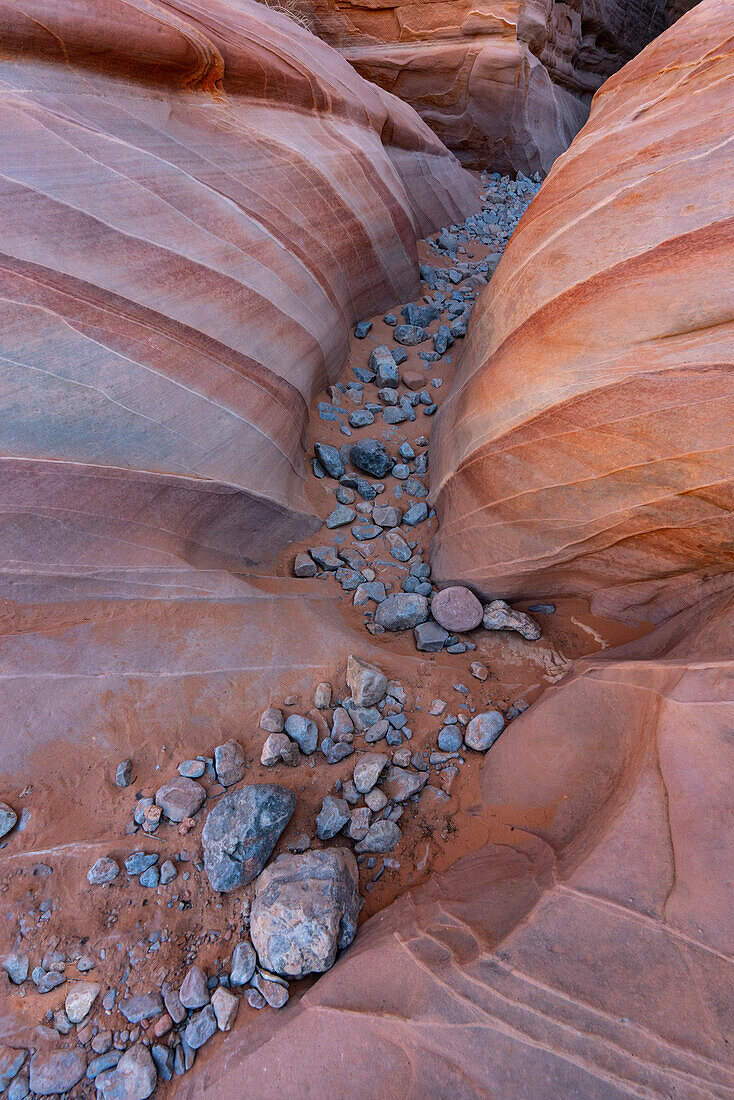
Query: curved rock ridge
(587, 446)
(199, 200)
(585, 948)
(505, 85)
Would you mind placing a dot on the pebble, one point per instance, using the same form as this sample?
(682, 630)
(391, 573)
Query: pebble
(479, 671)
(200, 1028)
(334, 752)
(410, 335)
(56, 1071)
(141, 1006)
(103, 871)
(168, 872)
(303, 731)
(322, 696)
(273, 993)
(255, 999)
(366, 532)
(399, 548)
(369, 591)
(174, 1008)
(225, 1007)
(332, 817)
(387, 516)
(304, 566)
(416, 514)
(367, 683)
(359, 822)
(193, 992)
(79, 1000)
(271, 720)
(229, 763)
(192, 769)
(382, 836)
(542, 608)
(134, 1077)
(377, 731)
(449, 739)
(362, 329)
(180, 798)
(400, 783)
(8, 818)
(370, 456)
(46, 981)
(376, 799)
(243, 963)
(368, 770)
(140, 861)
(483, 730)
(123, 773)
(330, 459)
(325, 556)
(279, 748)
(430, 637)
(402, 611)
(108, 1060)
(16, 964)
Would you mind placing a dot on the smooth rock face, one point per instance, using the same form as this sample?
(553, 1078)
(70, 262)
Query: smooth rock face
(191, 453)
(305, 909)
(596, 314)
(456, 608)
(506, 85)
(241, 831)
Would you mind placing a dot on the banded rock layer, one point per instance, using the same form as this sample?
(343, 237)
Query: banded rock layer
(506, 85)
(587, 447)
(199, 199)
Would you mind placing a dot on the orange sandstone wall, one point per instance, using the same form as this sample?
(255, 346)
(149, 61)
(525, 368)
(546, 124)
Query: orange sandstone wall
(199, 199)
(587, 446)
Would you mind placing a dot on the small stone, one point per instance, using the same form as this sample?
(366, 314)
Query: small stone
(225, 1007)
(200, 1028)
(402, 611)
(456, 608)
(362, 329)
(479, 671)
(341, 515)
(243, 963)
(542, 608)
(322, 696)
(124, 773)
(449, 739)
(350, 792)
(174, 1008)
(8, 818)
(325, 557)
(365, 532)
(19, 1088)
(368, 770)
(365, 681)
(410, 335)
(341, 723)
(399, 548)
(46, 982)
(55, 1071)
(303, 731)
(416, 514)
(376, 800)
(360, 418)
(300, 843)
(98, 1065)
(303, 566)
(330, 459)
(192, 769)
(79, 1000)
(382, 836)
(498, 615)
(388, 516)
(271, 720)
(430, 637)
(142, 1006)
(334, 752)
(359, 822)
(163, 1059)
(278, 747)
(11, 1063)
(140, 861)
(377, 731)
(255, 999)
(332, 817)
(193, 992)
(102, 1042)
(305, 910)
(371, 591)
(180, 798)
(274, 994)
(168, 872)
(229, 763)
(370, 456)
(16, 965)
(134, 1077)
(483, 730)
(400, 783)
(162, 1025)
(241, 831)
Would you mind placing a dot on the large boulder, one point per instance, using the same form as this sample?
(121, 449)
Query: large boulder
(586, 449)
(305, 910)
(241, 831)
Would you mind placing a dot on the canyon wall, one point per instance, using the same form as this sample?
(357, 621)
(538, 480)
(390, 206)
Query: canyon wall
(194, 216)
(587, 446)
(506, 85)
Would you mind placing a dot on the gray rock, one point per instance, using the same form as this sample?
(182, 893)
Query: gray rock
(402, 611)
(255, 999)
(369, 591)
(200, 1028)
(382, 836)
(273, 992)
(180, 798)
(330, 459)
(344, 495)
(229, 762)
(124, 773)
(361, 329)
(325, 557)
(225, 1007)
(368, 770)
(387, 516)
(341, 723)
(305, 910)
(371, 456)
(399, 548)
(163, 1058)
(48, 980)
(384, 366)
(416, 514)
(498, 615)
(395, 415)
(104, 1061)
(8, 818)
(243, 963)
(410, 335)
(134, 1077)
(19, 1088)
(360, 418)
(192, 769)
(365, 681)
(193, 992)
(430, 637)
(400, 783)
(376, 732)
(142, 1006)
(376, 799)
(359, 822)
(241, 831)
(79, 1000)
(303, 731)
(150, 878)
(340, 516)
(174, 1008)
(279, 747)
(271, 720)
(103, 871)
(168, 872)
(304, 566)
(12, 1060)
(366, 531)
(55, 1071)
(483, 730)
(332, 817)
(415, 488)
(335, 751)
(542, 608)
(140, 861)
(15, 966)
(421, 315)
(449, 739)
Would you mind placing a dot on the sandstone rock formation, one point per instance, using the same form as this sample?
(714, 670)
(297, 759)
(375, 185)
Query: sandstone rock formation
(506, 85)
(588, 447)
(193, 218)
